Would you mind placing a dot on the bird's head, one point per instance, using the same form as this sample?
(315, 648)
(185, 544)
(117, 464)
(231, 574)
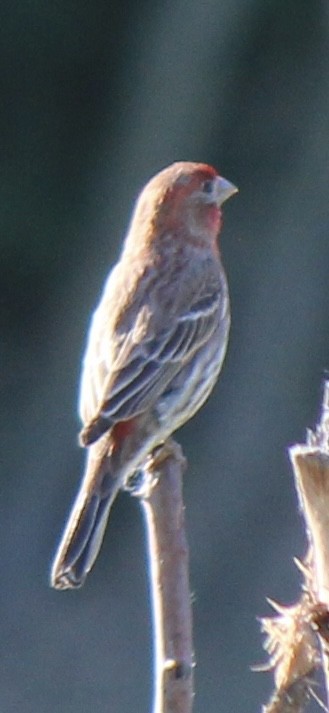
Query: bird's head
(184, 199)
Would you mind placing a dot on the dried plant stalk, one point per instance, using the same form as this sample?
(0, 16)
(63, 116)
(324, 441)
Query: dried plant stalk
(162, 502)
(311, 471)
(293, 637)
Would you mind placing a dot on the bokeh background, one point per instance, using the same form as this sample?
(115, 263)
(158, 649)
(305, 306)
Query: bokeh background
(95, 98)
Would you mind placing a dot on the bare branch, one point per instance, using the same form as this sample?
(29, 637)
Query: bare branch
(161, 498)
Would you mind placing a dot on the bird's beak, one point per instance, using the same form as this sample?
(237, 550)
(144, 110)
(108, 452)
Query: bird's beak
(224, 190)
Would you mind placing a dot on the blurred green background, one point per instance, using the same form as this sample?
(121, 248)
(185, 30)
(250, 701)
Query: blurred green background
(95, 98)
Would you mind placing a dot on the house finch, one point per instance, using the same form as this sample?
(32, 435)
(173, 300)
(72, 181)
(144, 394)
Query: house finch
(155, 348)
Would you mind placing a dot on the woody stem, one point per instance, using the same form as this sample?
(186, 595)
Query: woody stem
(162, 503)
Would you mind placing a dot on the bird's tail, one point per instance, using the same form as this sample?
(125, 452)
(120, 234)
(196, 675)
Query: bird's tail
(85, 528)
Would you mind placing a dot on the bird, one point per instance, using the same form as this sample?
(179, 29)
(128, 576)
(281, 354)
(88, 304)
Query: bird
(155, 347)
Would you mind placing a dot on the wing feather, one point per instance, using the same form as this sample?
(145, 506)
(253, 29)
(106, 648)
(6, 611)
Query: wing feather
(155, 362)
(145, 367)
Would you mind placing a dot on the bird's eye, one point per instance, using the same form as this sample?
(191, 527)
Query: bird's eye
(208, 187)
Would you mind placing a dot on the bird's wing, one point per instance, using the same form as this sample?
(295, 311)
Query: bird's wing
(147, 361)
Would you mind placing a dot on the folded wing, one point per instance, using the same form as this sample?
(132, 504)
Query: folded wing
(145, 367)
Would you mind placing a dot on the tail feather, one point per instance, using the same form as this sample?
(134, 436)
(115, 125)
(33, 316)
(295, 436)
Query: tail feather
(110, 461)
(79, 569)
(84, 532)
